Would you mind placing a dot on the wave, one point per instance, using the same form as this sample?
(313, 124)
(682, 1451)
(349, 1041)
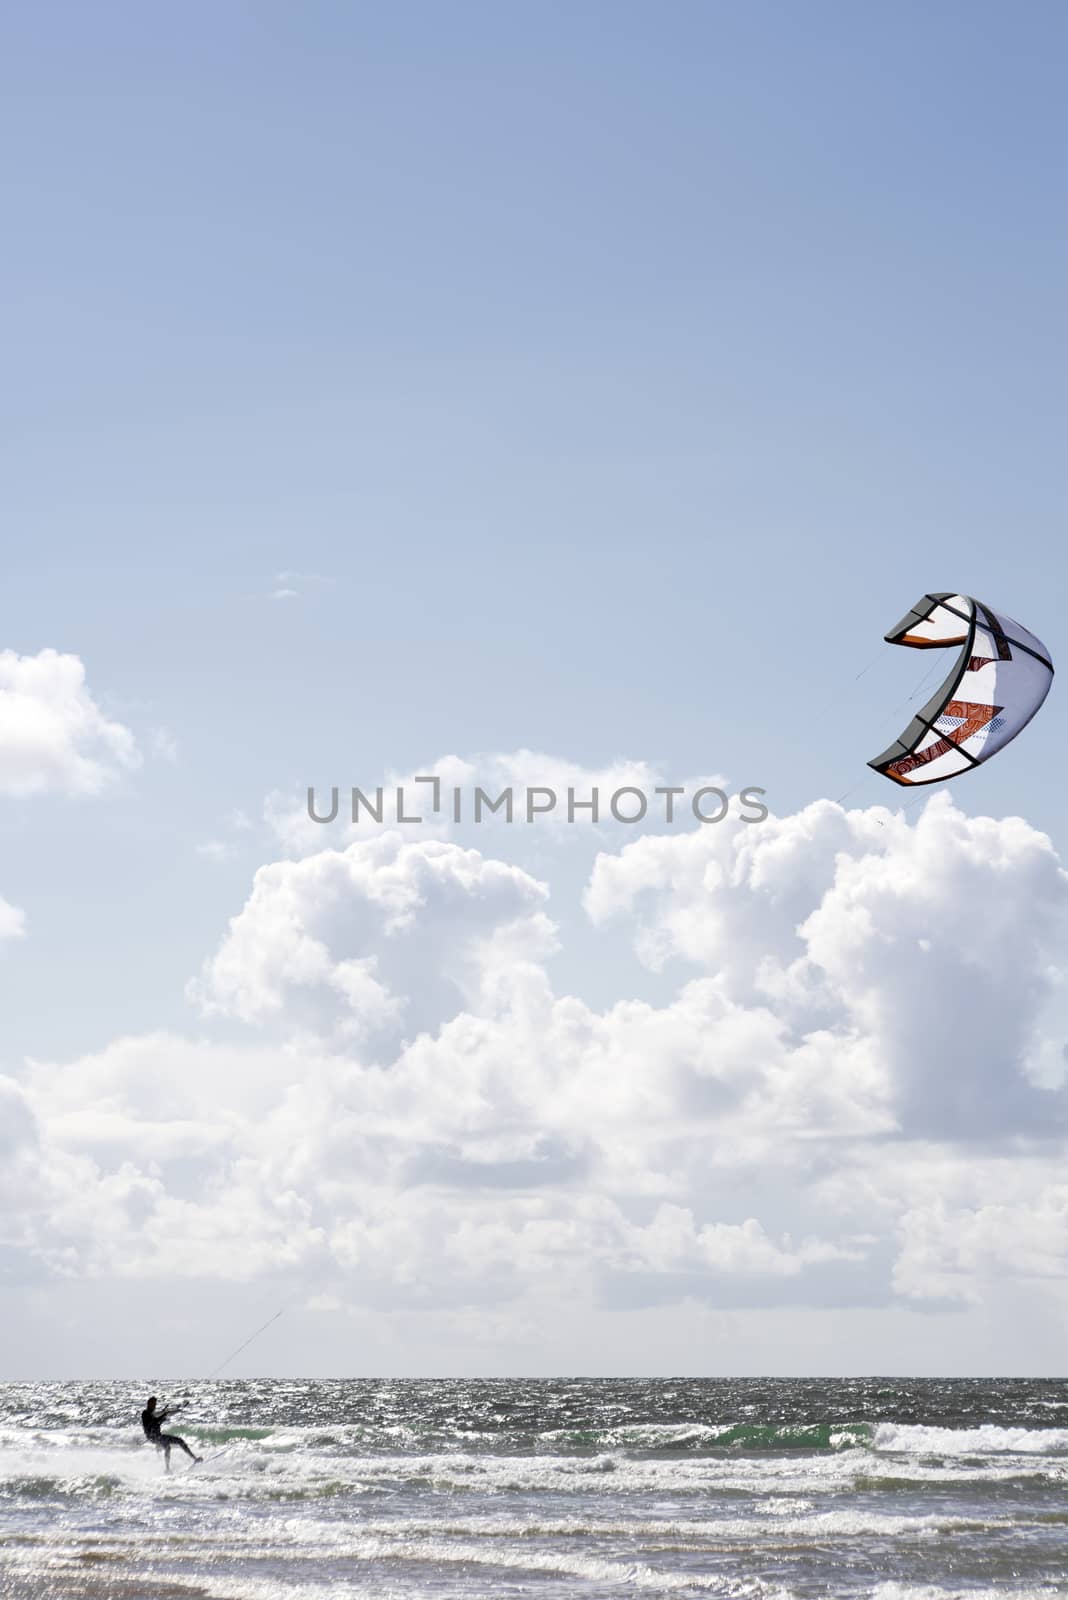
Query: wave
(986, 1440)
(784, 1437)
(503, 1544)
(443, 1553)
(693, 1437)
(650, 1439)
(410, 1533)
(751, 1437)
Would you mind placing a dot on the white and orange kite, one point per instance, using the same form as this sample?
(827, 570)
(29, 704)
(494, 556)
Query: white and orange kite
(997, 683)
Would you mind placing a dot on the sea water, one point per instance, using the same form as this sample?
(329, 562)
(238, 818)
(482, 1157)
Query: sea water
(551, 1489)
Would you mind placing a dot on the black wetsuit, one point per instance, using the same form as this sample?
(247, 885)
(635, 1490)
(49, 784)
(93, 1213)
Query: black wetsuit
(152, 1422)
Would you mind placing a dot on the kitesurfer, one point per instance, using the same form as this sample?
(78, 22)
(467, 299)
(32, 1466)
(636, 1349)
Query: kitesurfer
(152, 1421)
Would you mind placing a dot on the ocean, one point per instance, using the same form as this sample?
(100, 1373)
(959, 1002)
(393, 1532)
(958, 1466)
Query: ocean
(551, 1489)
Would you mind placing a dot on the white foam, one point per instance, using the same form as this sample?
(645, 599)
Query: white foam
(368, 1548)
(914, 1439)
(930, 1591)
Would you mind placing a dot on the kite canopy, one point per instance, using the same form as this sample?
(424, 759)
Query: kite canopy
(999, 680)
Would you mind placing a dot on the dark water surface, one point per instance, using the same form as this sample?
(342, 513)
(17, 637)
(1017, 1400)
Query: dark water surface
(550, 1489)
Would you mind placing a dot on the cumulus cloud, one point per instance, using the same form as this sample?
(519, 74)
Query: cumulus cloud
(837, 1104)
(53, 734)
(961, 1252)
(382, 934)
(931, 940)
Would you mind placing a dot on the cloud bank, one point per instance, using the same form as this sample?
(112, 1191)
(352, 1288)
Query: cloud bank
(853, 1094)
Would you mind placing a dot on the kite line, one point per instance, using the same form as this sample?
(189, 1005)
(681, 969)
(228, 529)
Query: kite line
(261, 1329)
(244, 1346)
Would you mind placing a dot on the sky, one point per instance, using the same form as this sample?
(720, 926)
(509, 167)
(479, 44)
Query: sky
(556, 394)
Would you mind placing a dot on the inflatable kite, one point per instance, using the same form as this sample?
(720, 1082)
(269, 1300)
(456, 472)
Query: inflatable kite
(999, 680)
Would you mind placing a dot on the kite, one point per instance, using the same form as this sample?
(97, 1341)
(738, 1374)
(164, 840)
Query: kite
(997, 683)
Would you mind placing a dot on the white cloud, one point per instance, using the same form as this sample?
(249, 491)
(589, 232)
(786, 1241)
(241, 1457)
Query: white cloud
(12, 921)
(673, 1240)
(932, 940)
(963, 1252)
(381, 933)
(53, 735)
(421, 1119)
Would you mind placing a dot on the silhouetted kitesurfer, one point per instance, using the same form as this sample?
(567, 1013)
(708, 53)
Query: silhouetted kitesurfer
(152, 1421)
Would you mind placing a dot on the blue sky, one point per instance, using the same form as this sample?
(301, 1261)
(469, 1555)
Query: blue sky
(612, 376)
